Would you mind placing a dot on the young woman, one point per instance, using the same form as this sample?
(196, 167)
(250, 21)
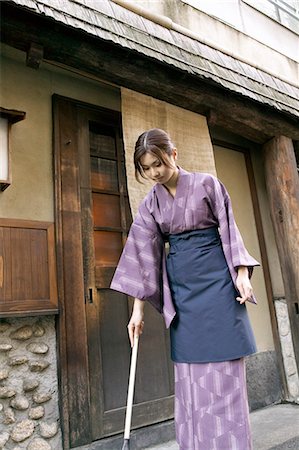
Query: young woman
(200, 288)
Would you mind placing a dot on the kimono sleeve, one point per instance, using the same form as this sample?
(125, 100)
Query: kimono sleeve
(138, 272)
(233, 246)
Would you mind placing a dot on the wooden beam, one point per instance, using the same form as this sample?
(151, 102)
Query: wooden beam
(34, 55)
(283, 190)
(12, 115)
(130, 69)
(73, 354)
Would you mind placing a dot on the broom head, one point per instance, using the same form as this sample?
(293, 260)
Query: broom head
(126, 444)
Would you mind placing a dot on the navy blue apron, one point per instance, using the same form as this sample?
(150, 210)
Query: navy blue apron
(210, 324)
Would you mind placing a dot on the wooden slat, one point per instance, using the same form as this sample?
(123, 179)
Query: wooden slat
(6, 274)
(95, 370)
(116, 355)
(21, 271)
(39, 266)
(152, 380)
(52, 267)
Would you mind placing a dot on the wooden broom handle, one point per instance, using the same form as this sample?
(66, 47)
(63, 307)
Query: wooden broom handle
(131, 388)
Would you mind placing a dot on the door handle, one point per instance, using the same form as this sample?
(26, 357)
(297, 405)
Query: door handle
(89, 296)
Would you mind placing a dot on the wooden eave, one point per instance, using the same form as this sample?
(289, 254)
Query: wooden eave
(12, 115)
(129, 68)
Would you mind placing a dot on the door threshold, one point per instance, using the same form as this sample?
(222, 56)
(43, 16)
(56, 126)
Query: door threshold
(139, 439)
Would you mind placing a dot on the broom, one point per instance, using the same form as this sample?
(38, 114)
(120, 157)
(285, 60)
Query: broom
(126, 444)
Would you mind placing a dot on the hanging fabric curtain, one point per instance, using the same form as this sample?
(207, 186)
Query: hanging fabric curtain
(188, 130)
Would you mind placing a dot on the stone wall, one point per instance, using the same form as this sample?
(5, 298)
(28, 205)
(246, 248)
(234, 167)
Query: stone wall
(29, 414)
(287, 349)
(263, 381)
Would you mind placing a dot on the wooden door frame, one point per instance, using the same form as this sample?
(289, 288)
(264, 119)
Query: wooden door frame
(264, 255)
(72, 340)
(68, 221)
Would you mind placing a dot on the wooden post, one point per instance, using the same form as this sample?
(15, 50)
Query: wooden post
(283, 191)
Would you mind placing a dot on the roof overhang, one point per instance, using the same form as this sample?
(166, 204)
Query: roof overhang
(121, 47)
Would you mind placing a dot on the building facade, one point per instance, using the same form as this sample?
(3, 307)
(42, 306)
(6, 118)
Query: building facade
(80, 80)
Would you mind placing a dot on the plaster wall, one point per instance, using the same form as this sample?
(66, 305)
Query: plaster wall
(259, 179)
(31, 194)
(231, 169)
(238, 28)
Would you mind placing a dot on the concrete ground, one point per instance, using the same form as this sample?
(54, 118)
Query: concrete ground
(273, 428)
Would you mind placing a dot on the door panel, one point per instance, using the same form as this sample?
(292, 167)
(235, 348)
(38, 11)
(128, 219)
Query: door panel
(104, 174)
(108, 247)
(106, 210)
(92, 223)
(105, 228)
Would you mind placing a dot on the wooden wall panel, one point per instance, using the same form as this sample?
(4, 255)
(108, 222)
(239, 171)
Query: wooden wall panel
(27, 268)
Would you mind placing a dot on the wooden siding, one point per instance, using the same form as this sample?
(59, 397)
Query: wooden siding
(27, 268)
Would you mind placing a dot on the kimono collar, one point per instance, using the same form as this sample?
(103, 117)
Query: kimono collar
(175, 205)
(181, 184)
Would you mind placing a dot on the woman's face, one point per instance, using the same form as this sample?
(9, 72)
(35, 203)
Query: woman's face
(155, 170)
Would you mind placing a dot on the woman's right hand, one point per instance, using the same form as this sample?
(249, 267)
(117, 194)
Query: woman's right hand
(136, 324)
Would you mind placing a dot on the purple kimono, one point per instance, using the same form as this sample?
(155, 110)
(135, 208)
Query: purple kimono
(201, 201)
(211, 406)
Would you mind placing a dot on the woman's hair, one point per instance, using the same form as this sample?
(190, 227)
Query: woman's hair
(154, 141)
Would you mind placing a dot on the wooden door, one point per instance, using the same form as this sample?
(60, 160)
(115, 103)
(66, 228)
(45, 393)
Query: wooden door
(105, 221)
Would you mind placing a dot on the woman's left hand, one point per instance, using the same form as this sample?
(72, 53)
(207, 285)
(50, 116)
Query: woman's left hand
(244, 286)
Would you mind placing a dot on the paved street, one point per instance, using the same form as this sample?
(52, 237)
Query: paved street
(275, 427)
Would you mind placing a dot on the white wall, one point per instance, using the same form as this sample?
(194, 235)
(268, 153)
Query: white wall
(31, 194)
(238, 28)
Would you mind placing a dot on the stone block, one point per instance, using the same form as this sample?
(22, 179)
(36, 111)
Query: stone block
(30, 385)
(6, 392)
(48, 430)
(20, 403)
(42, 397)
(22, 431)
(39, 444)
(36, 413)
(38, 366)
(4, 325)
(263, 382)
(9, 417)
(38, 348)
(4, 437)
(5, 348)
(22, 334)
(38, 330)
(17, 360)
(4, 373)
